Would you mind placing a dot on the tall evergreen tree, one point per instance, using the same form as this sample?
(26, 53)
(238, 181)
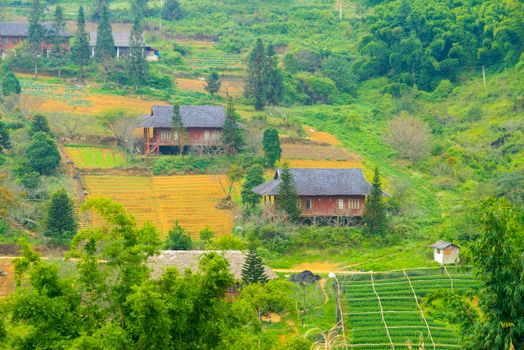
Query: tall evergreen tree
(81, 51)
(254, 177)
(140, 8)
(98, 8)
(58, 50)
(10, 84)
(231, 136)
(172, 10)
(287, 200)
(253, 268)
(35, 33)
(179, 131)
(271, 145)
(213, 83)
(137, 65)
(39, 124)
(4, 137)
(43, 154)
(105, 44)
(178, 239)
(375, 211)
(61, 222)
(274, 80)
(256, 83)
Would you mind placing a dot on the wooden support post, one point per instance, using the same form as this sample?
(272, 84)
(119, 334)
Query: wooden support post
(484, 75)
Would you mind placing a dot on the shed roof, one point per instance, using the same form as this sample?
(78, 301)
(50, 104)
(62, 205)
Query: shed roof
(442, 245)
(21, 29)
(121, 39)
(192, 117)
(320, 182)
(189, 259)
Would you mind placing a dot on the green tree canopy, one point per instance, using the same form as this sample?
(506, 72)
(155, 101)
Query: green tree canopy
(271, 145)
(81, 53)
(172, 10)
(213, 83)
(254, 177)
(39, 124)
(287, 201)
(4, 137)
(231, 136)
(256, 81)
(253, 269)
(61, 222)
(105, 44)
(136, 63)
(178, 239)
(10, 84)
(375, 211)
(43, 154)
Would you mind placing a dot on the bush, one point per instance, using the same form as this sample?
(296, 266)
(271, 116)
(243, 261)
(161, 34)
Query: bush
(314, 89)
(178, 239)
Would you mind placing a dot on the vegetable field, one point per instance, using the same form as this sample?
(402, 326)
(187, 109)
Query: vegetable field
(384, 310)
(191, 199)
(95, 157)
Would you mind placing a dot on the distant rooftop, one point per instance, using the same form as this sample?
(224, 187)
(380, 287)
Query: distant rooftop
(21, 29)
(192, 117)
(121, 39)
(442, 245)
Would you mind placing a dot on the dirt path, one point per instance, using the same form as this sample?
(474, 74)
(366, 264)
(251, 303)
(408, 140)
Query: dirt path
(322, 284)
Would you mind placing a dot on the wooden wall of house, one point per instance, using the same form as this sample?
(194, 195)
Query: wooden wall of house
(197, 136)
(329, 205)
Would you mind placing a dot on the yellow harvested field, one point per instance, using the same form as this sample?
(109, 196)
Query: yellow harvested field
(321, 136)
(316, 163)
(232, 87)
(192, 199)
(315, 152)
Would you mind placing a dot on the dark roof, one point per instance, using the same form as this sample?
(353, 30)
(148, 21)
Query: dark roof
(192, 117)
(442, 245)
(121, 39)
(21, 29)
(320, 182)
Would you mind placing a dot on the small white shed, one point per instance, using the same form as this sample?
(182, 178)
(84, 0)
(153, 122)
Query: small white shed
(446, 252)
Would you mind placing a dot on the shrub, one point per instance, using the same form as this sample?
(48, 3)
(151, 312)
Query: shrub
(178, 239)
(410, 136)
(315, 89)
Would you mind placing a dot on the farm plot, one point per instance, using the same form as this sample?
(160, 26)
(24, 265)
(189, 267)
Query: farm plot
(95, 157)
(162, 200)
(203, 55)
(384, 312)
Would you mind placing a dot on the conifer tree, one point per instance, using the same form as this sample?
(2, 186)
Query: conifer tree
(256, 86)
(98, 8)
(178, 239)
(231, 136)
(287, 200)
(213, 83)
(137, 65)
(10, 84)
(375, 210)
(81, 51)
(254, 177)
(58, 51)
(105, 44)
(43, 154)
(35, 33)
(4, 137)
(179, 131)
(253, 268)
(275, 84)
(39, 124)
(172, 10)
(271, 145)
(61, 222)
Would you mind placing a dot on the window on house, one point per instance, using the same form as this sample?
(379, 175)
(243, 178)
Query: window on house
(438, 251)
(340, 204)
(308, 203)
(354, 203)
(5, 40)
(15, 40)
(165, 135)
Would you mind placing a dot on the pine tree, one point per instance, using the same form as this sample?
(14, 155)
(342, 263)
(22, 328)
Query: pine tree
(179, 131)
(4, 137)
(213, 83)
(98, 8)
(137, 65)
(271, 145)
(61, 222)
(274, 80)
(172, 10)
(287, 200)
(105, 44)
(256, 86)
(35, 33)
(10, 84)
(43, 154)
(139, 8)
(178, 239)
(375, 211)
(254, 177)
(81, 51)
(231, 136)
(58, 51)
(39, 124)
(253, 268)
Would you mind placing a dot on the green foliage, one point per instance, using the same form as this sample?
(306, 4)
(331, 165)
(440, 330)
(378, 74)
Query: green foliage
(213, 83)
(275, 82)
(61, 222)
(178, 239)
(137, 68)
(253, 269)
(313, 89)
(340, 71)
(255, 86)
(81, 53)
(4, 137)
(35, 31)
(497, 259)
(43, 154)
(375, 212)
(172, 10)
(254, 177)
(105, 45)
(206, 234)
(179, 131)
(10, 84)
(271, 145)
(287, 200)
(272, 296)
(231, 136)
(39, 124)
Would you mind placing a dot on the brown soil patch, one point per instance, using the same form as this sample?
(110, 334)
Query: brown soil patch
(272, 317)
(7, 282)
(321, 136)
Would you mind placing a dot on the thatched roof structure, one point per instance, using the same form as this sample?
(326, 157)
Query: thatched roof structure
(189, 259)
(192, 117)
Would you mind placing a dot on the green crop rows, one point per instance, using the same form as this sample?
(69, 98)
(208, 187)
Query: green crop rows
(402, 317)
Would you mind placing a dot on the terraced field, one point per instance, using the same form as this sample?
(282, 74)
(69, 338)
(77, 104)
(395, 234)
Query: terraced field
(384, 309)
(191, 199)
(95, 157)
(203, 55)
